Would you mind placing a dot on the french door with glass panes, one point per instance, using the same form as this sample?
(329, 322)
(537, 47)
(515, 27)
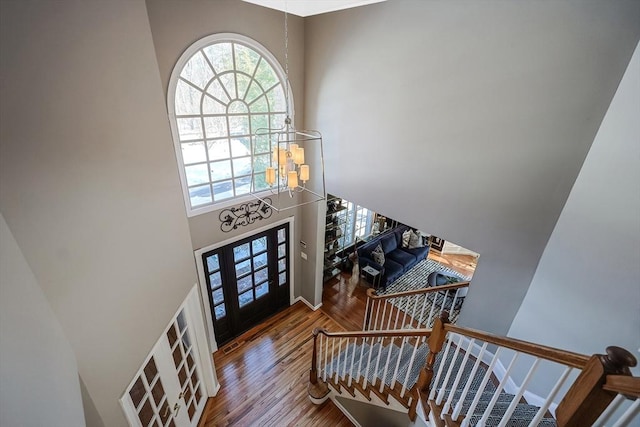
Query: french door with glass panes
(248, 281)
(168, 391)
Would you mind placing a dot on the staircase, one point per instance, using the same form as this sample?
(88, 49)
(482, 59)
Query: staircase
(454, 376)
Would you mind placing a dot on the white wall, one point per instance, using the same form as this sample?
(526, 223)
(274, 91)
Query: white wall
(38, 373)
(88, 181)
(467, 119)
(585, 294)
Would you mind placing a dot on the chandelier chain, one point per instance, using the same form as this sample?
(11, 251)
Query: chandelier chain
(286, 61)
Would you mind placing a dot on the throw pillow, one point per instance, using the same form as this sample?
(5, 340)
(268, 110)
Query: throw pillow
(415, 240)
(405, 238)
(378, 255)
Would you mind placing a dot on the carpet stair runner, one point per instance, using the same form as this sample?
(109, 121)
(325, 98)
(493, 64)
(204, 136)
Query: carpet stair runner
(359, 356)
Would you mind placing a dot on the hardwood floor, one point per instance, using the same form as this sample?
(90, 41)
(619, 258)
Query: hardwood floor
(265, 373)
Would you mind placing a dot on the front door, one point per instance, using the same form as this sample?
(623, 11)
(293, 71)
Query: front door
(248, 281)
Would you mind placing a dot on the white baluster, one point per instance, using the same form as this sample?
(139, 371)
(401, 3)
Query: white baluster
(333, 356)
(404, 316)
(629, 414)
(433, 305)
(366, 312)
(406, 378)
(521, 390)
(424, 306)
(496, 395)
(375, 322)
(453, 304)
(444, 300)
(384, 313)
(467, 386)
(395, 324)
(321, 367)
(353, 360)
(444, 384)
(364, 341)
(443, 361)
(386, 365)
(395, 372)
(413, 312)
(379, 357)
(338, 358)
(608, 413)
(390, 316)
(483, 383)
(326, 353)
(366, 374)
(552, 394)
(456, 380)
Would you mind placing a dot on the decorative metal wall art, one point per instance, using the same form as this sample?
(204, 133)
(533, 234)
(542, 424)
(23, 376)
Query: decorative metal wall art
(245, 214)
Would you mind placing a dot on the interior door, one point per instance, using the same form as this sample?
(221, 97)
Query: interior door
(248, 281)
(168, 391)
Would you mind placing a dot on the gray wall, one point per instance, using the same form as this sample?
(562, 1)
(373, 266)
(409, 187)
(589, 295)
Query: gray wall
(88, 182)
(585, 294)
(176, 25)
(38, 373)
(467, 119)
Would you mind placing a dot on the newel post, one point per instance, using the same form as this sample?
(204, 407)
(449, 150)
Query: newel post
(586, 399)
(436, 341)
(317, 389)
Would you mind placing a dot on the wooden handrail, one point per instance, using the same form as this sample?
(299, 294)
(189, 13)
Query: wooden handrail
(371, 293)
(623, 384)
(568, 358)
(375, 334)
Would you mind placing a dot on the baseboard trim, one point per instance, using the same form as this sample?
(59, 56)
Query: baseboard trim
(345, 412)
(308, 304)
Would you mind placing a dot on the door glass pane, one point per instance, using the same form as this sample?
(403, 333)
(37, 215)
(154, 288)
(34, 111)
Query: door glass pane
(262, 290)
(215, 280)
(245, 283)
(261, 275)
(220, 311)
(218, 296)
(260, 261)
(245, 298)
(260, 245)
(282, 250)
(213, 263)
(282, 264)
(241, 252)
(243, 268)
(282, 278)
(282, 235)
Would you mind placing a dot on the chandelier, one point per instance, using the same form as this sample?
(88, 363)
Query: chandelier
(289, 180)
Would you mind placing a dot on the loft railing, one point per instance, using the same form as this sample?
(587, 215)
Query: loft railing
(468, 377)
(380, 363)
(510, 368)
(413, 309)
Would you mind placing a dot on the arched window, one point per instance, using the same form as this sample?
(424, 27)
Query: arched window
(223, 88)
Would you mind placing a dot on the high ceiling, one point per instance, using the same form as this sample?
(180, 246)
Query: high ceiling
(311, 7)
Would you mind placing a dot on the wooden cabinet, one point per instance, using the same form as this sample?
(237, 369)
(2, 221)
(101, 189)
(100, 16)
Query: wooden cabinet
(334, 237)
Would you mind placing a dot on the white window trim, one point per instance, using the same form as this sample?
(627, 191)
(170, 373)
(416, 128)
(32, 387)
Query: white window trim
(171, 92)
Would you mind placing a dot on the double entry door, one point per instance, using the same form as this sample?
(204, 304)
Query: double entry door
(168, 390)
(247, 281)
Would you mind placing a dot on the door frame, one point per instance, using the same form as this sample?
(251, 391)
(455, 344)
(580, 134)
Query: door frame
(192, 306)
(204, 291)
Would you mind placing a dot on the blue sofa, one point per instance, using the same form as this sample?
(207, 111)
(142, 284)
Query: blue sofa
(397, 260)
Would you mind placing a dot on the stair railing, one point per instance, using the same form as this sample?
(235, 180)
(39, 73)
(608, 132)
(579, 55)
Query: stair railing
(473, 381)
(413, 309)
(383, 363)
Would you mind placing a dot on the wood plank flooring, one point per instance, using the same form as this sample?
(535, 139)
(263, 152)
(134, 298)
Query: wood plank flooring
(264, 378)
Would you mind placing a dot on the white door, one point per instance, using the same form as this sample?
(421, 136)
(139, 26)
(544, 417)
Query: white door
(168, 391)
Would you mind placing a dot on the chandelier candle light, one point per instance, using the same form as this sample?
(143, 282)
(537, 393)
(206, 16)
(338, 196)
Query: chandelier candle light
(287, 172)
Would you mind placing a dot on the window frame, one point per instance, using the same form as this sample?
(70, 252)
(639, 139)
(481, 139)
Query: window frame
(171, 95)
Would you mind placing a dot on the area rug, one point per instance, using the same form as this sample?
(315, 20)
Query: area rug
(416, 278)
